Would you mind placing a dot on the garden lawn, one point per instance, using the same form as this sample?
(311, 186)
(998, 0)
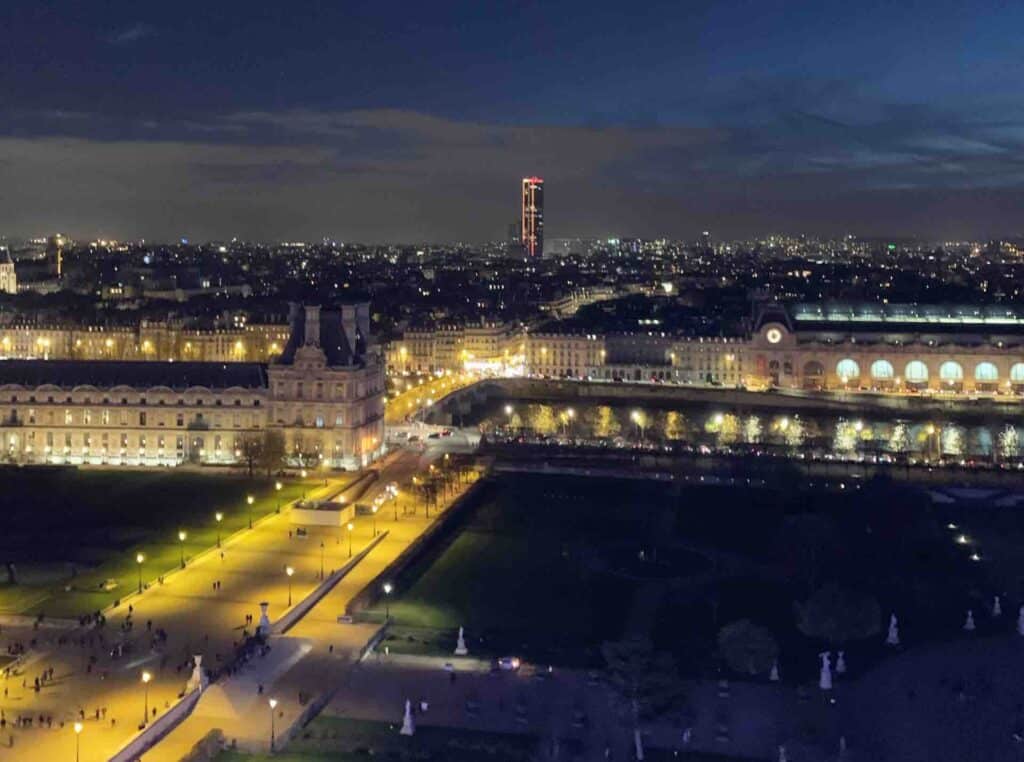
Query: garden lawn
(527, 575)
(66, 527)
(334, 739)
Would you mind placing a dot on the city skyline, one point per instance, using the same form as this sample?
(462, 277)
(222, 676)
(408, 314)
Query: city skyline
(826, 119)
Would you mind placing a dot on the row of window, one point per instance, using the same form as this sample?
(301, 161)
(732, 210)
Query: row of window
(104, 418)
(316, 390)
(217, 402)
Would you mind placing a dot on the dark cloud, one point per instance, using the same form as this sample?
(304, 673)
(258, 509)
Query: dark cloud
(393, 174)
(131, 34)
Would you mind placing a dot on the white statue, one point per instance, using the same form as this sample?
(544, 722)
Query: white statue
(969, 622)
(893, 638)
(782, 754)
(774, 674)
(842, 747)
(841, 663)
(997, 607)
(408, 725)
(460, 647)
(825, 678)
(638, 742)
(198, 681)
(264, 626)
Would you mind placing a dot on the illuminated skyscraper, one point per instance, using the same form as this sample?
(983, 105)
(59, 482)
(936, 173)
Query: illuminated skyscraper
(533, 216)
(55, 254)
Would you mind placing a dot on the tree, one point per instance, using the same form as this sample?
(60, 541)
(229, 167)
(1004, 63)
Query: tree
(675, 425)
(646, 678)
(305, 451)
(747, 648)
(543, 420)
(252, 450)
(606, 425)
(272, 451)
(838, 616)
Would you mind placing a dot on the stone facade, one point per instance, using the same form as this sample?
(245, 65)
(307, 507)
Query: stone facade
(889, 348)
(8, 278)
(148, 341)
(324, 396)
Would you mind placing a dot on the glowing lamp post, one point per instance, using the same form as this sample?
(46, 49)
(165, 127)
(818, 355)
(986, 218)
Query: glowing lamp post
(277, 488)
(78, 739)
(181, 540)
(638, 418)
(250, 500)
(139, 558)
(387, 601)
(289, 571)
(375, 507)
(219, 517)
(273, 705)
(146, 677)
(351, 526)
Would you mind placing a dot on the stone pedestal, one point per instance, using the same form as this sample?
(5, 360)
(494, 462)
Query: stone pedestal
(460, 647)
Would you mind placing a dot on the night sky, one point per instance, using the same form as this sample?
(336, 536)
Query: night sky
(412, 121)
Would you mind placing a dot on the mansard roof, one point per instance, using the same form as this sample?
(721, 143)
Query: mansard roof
(106, 374)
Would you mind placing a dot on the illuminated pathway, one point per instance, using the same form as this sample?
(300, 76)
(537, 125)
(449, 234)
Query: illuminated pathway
(197, 618)
(310, 658)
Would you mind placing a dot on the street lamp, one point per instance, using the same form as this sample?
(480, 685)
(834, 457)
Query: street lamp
(375, 507)
(289, 571)
(139, 558)
(220, 517)
(387, 601)
(181, 539)
(273, 704)
(638, 419)
(250, 500)
(351, 526)
(277, 488)
(78, 738)
(146, 677)
(321, 559)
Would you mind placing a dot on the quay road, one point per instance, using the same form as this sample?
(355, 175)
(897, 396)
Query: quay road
(202, 609)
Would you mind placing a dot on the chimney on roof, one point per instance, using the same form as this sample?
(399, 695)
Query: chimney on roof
(363, 321)
(312, 326)
(349, 325)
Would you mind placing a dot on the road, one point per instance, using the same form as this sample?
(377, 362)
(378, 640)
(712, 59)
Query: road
(203, 610)
(416, 394)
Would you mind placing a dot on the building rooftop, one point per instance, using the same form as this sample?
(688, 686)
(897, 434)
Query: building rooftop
(926, 315)
(106, 374)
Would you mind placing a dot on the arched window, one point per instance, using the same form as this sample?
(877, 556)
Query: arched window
(986, 372)
(916, 372)
(847, 369)
(951, 371)
(1017, 373)
(814, 368)
(882, 370)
